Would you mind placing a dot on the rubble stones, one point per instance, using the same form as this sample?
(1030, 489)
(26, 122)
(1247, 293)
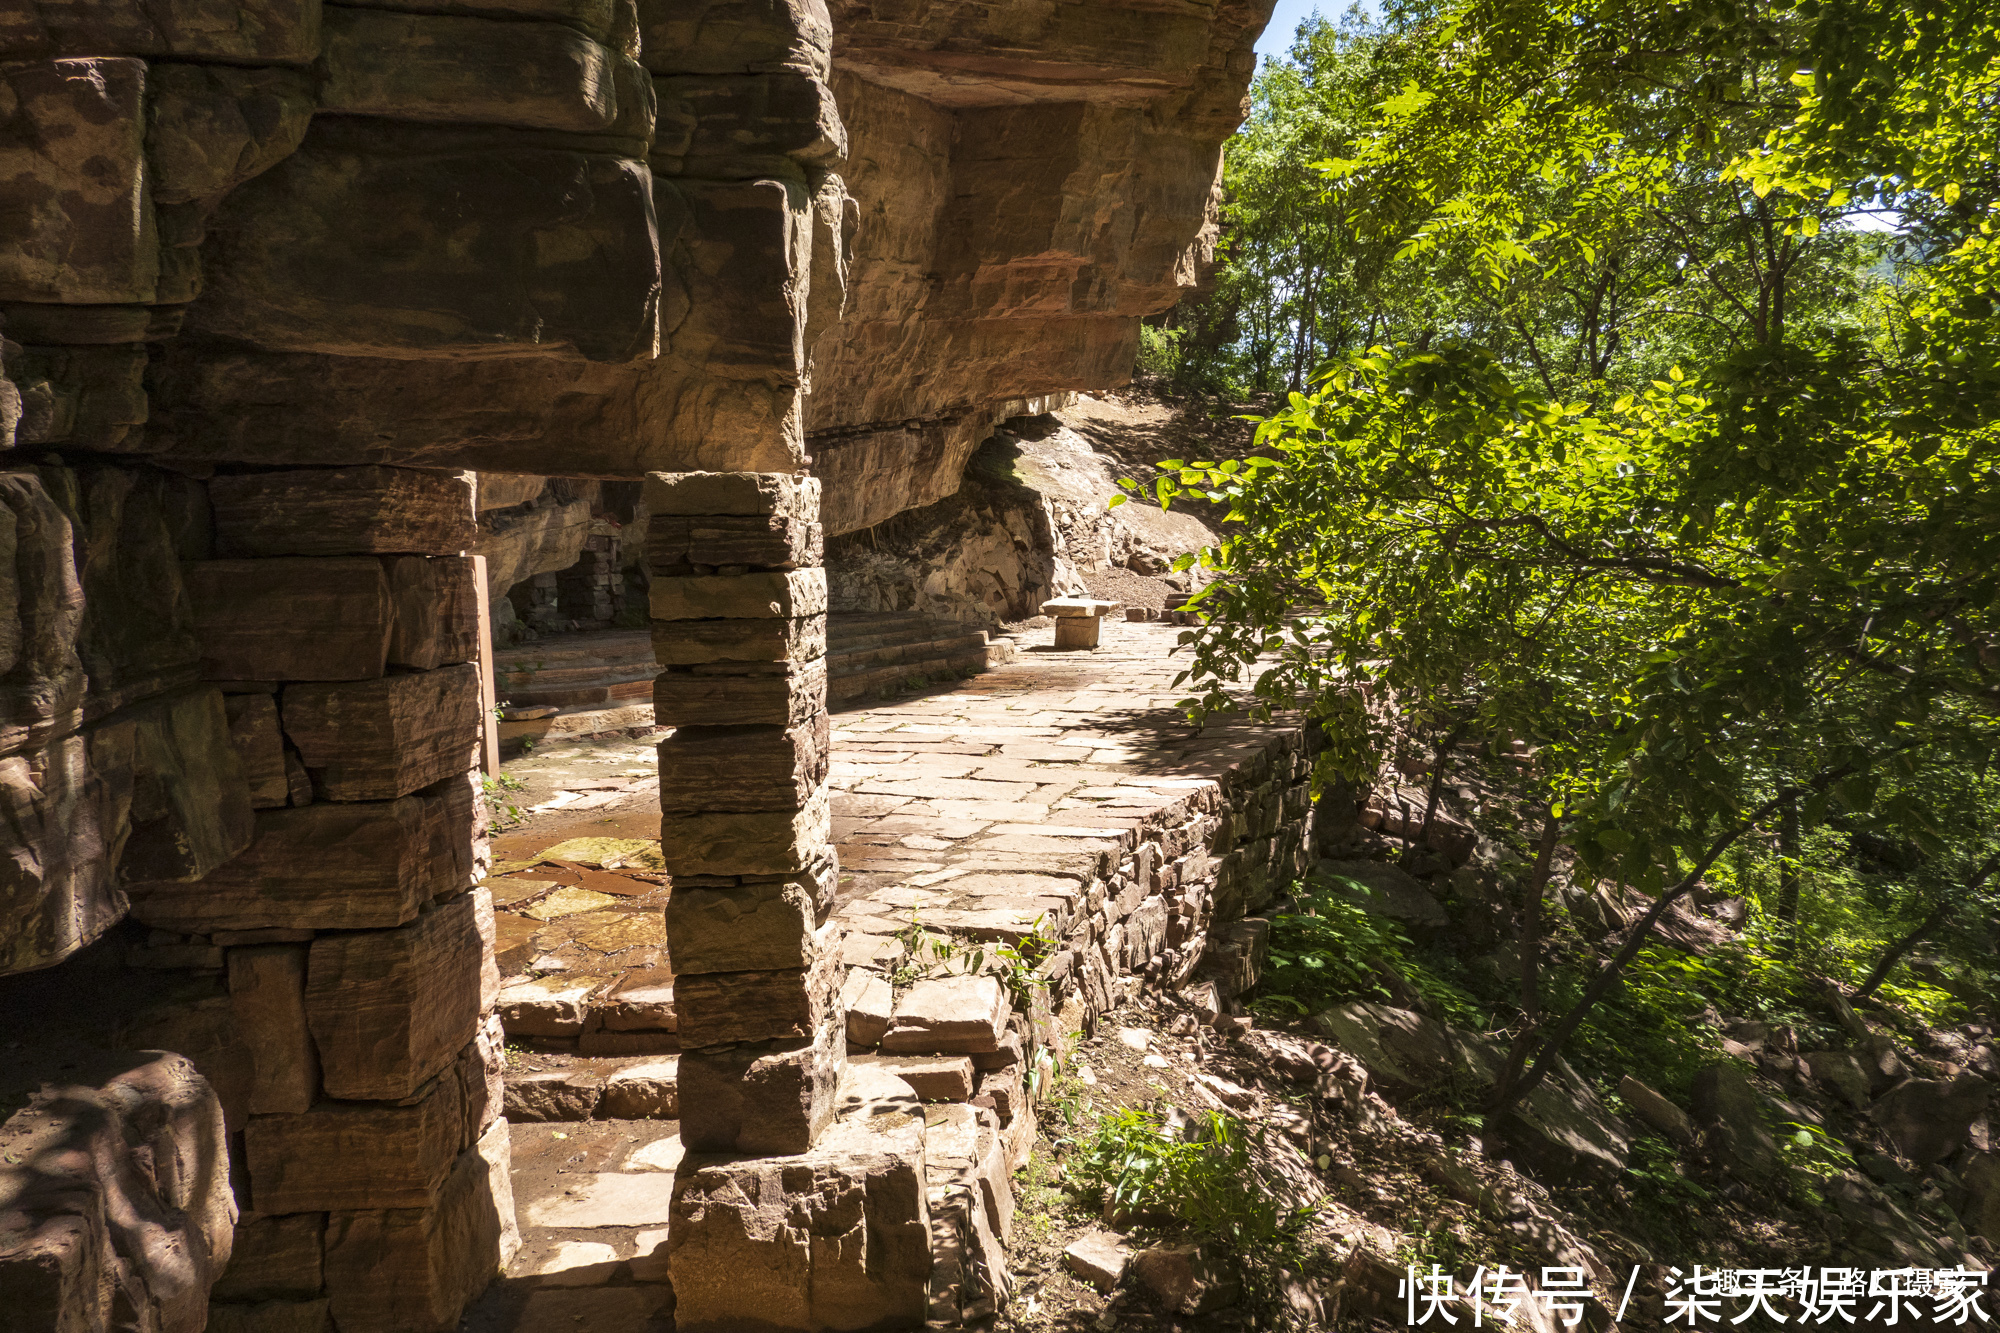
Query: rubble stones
(551, 1006)
(553, 1094)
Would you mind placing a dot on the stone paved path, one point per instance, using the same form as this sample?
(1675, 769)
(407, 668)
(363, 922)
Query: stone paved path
(969, 807)
(980, 810)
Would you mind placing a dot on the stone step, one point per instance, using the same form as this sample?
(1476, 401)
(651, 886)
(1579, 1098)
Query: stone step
(855, 660)
(637, 1088)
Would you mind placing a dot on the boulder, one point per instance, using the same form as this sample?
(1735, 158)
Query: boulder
(114, 1180)
(1656, 1110)
(1184, 1279)
(1732, 1115)
(68, 807)
(1099, 1258)
(1385, 890)
(1930, 1119)
(1980, 1209)
(1845, 1073)
(1404, 1052)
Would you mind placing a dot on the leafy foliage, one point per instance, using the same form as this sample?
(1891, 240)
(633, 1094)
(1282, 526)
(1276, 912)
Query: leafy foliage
(1628, 448)
(1134, 1163)
(1330, 947)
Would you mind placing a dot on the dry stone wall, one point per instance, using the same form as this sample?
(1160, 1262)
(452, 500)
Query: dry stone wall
(251, 728)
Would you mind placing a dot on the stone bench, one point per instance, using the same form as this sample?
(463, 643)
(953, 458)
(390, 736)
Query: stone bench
(1078, 619)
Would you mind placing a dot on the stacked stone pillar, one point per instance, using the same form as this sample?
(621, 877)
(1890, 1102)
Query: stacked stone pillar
(739, 628)
(350, 1028)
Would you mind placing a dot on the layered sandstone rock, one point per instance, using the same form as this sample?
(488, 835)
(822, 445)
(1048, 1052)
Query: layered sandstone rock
(1033, 181)
(115, 1206)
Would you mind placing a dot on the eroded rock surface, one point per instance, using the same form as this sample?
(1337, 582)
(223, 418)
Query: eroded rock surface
(115, 1206)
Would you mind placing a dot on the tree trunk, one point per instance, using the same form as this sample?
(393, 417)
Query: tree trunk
(1509, 1091)
(1788, 876)
(1422, 841)
(1930, 923)
(1531, 965)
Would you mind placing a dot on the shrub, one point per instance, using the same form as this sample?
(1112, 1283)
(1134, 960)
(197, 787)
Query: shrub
(1134, 1162)
(1332, 948)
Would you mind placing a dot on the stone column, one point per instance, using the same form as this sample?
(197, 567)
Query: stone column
(353, 1039)
(739, 627)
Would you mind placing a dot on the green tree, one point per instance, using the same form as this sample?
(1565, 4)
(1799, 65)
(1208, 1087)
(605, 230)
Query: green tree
(1708, 575)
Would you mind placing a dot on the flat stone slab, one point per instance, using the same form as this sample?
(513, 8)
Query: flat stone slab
(934, 1078)
(606, 1199)
(1061, 607)
(949, 1015)
(648, 1090)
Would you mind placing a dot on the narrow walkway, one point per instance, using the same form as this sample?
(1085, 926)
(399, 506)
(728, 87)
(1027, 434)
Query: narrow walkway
(1030, 772)
(981, 809)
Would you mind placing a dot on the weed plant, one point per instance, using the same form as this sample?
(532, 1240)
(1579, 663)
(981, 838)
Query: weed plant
(1132, 1162)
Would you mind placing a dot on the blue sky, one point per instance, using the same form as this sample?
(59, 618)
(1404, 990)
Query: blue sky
(1277, 38)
